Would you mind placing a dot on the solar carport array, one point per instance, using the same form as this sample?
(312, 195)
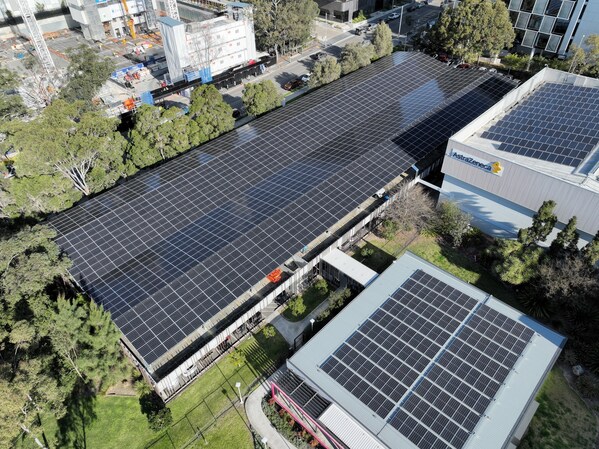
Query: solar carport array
(168, 250)
(422, 360)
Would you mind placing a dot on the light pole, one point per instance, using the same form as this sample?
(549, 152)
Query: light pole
(312, 321)
(238, 385)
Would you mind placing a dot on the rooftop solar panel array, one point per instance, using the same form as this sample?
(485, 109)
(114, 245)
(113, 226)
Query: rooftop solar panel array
(429, 361)
(556, 123)
(167, 250)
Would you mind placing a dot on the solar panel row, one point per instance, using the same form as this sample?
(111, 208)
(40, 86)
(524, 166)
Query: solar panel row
(556, 123)
(438, 356)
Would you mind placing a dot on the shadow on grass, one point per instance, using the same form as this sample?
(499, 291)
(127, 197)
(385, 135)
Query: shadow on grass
(81, 413)
(486, 281)
(266, 355)
(374, 257)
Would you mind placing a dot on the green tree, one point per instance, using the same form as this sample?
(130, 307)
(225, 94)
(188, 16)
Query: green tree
(80, 146)
(325, 72)
(87, 73)
(451, 222)
(281, 23)
(322, 286)
(210, 115)
(157, 134)
(388, 229)
(338, 298)
(382, 40)
(515, 263)
(87, 341)
(472, 27)
(261, 97)
(543, 223)
(11, 103)
(566, 241)
(297, 306)
(354, 56)
(591, 250)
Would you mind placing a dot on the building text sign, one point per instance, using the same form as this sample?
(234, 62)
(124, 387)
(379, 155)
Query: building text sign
(494, 168)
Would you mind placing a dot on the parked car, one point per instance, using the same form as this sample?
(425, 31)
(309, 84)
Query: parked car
(360, 30)
(463, 65)
(305, 77)
(393, 16)
(293, 84)
(412, 8)
(319, 56)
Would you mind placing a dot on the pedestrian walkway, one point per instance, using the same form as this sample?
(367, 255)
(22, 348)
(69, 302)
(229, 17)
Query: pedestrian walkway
(259, 421)
(291, 330)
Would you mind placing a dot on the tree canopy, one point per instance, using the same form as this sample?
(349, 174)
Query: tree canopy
(157, 134)
(52, 341)
(87, 73)
(324, 72)
(282, 23)
(66, 152)
(355, 55)
(261, 97)
(472, 27)
(210, 115)
(382, 40)
(543, 223)
(11, 103)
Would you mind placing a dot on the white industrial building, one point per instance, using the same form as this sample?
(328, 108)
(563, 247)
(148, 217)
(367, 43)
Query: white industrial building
(101, 19)
(540, 142)
(218, 44)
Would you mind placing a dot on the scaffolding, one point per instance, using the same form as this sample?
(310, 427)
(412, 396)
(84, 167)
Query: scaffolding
(171, 9)
(150, 15)
(35, 34)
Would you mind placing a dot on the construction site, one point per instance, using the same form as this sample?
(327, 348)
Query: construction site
(35, 42)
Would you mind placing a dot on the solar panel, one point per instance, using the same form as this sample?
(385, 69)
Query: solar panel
(167, 250)
(429, 360)
(556, 123)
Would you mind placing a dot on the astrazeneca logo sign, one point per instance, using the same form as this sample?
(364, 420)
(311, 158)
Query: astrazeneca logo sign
(494, 168)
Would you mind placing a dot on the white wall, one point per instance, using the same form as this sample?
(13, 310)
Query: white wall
(175, 48)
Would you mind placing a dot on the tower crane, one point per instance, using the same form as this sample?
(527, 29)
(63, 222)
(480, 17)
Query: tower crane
(36, 36)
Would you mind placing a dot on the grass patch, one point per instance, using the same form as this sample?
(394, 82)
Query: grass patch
(313, 297)
(562, 420)
(119, 422)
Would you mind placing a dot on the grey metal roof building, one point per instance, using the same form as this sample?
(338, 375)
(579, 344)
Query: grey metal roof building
(421, 359)
(171, 249)
(543, 139)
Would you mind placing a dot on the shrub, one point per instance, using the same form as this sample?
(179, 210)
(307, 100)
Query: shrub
(322, 286)
(388, 229)
(161, 419)
(360, 17)
(297, 306)
(366, 251)
(452, 223)
(269, 331)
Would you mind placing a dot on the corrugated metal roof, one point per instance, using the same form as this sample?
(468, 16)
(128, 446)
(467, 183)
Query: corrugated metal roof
(348, 430)
(350, 267)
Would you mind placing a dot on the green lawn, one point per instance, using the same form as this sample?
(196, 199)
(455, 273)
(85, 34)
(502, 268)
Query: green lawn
(312, 299)
(119, 423)
(562, 420)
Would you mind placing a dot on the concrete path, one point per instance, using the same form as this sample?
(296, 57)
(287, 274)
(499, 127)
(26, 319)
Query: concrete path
(259, 421)
(291, 330)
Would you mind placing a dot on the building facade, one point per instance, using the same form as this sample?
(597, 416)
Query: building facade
(346, 10)
(102, 19)
(215, 44)
(550, 26)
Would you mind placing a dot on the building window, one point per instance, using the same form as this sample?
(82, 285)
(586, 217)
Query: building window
(560, 26)
(522, 20)
(529, 39)
(535, 23)
(515, 5)
(566, 10)
(553, 7)
(547, 24)
(542, 41)
(553, 43)
(540, 7)
(527, 5)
